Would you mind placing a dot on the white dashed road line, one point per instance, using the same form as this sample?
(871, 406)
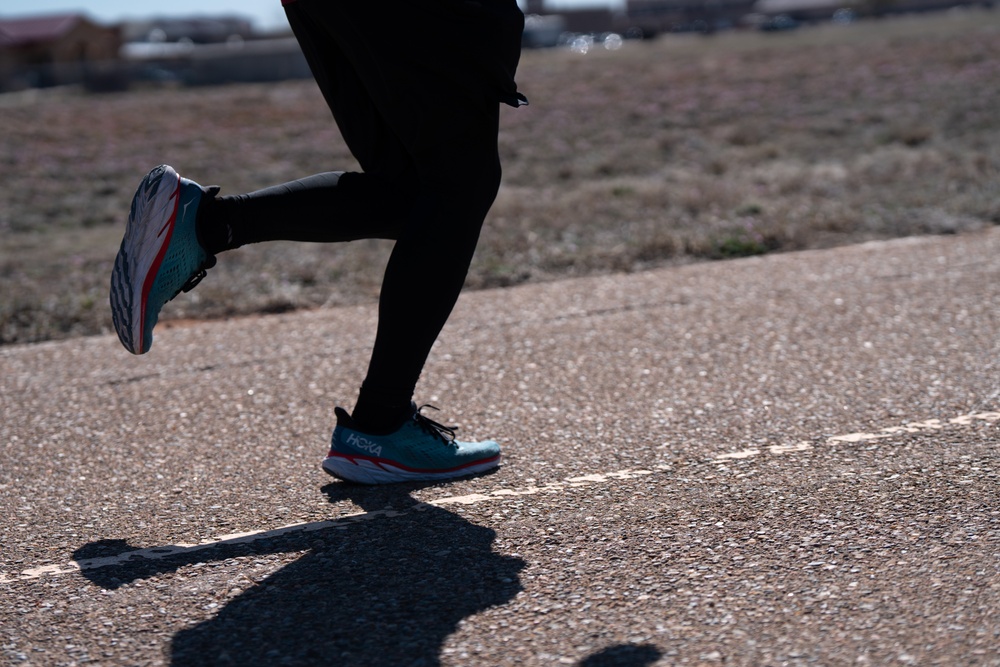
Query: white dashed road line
(156, 553)
(888, 432)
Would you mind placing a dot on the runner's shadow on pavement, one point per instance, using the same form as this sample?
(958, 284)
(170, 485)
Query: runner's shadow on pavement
(387, 591)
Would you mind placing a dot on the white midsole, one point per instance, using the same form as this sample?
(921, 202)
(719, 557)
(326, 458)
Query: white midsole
(144, 234)
(364, 471)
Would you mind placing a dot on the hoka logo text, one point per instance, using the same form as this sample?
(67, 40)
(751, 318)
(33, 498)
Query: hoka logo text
(364, 444)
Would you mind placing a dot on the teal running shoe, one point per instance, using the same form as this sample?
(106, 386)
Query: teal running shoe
(420, 450)
(160, 254)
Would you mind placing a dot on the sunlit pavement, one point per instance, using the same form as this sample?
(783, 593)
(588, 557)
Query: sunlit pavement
(790, 460)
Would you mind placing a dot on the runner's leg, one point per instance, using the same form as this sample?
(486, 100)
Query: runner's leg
(431, 173)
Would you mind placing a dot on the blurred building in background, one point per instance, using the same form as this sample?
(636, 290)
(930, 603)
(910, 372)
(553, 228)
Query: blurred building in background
(57, 49)
(194, 30)
(70, 49)
(707, 16)
(209, 50)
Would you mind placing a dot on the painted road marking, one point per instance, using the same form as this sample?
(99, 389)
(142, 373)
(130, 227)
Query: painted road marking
(157, 553)
(854, 438)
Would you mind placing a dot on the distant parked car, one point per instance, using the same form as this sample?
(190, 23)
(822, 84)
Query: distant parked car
(844, 16)
(779, 23)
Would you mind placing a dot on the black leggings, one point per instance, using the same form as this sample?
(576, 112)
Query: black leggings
(424, 129)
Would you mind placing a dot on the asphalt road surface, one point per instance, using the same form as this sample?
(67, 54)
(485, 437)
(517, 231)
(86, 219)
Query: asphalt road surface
(787, 460)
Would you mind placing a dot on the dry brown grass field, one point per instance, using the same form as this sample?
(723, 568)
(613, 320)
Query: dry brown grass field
(682, 149)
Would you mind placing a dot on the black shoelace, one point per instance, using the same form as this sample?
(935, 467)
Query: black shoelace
(198, 277)
(445, 433)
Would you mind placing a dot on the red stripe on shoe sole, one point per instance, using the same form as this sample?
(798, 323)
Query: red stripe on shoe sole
(147, 284)
(380, 462)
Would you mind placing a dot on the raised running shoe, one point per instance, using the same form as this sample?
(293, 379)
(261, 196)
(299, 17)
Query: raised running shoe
(160, 254)
(420, 450)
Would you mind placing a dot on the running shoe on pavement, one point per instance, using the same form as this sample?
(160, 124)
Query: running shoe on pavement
(160, 254)
(420, 450)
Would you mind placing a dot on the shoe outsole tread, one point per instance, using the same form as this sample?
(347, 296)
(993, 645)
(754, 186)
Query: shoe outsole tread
(151, 268)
